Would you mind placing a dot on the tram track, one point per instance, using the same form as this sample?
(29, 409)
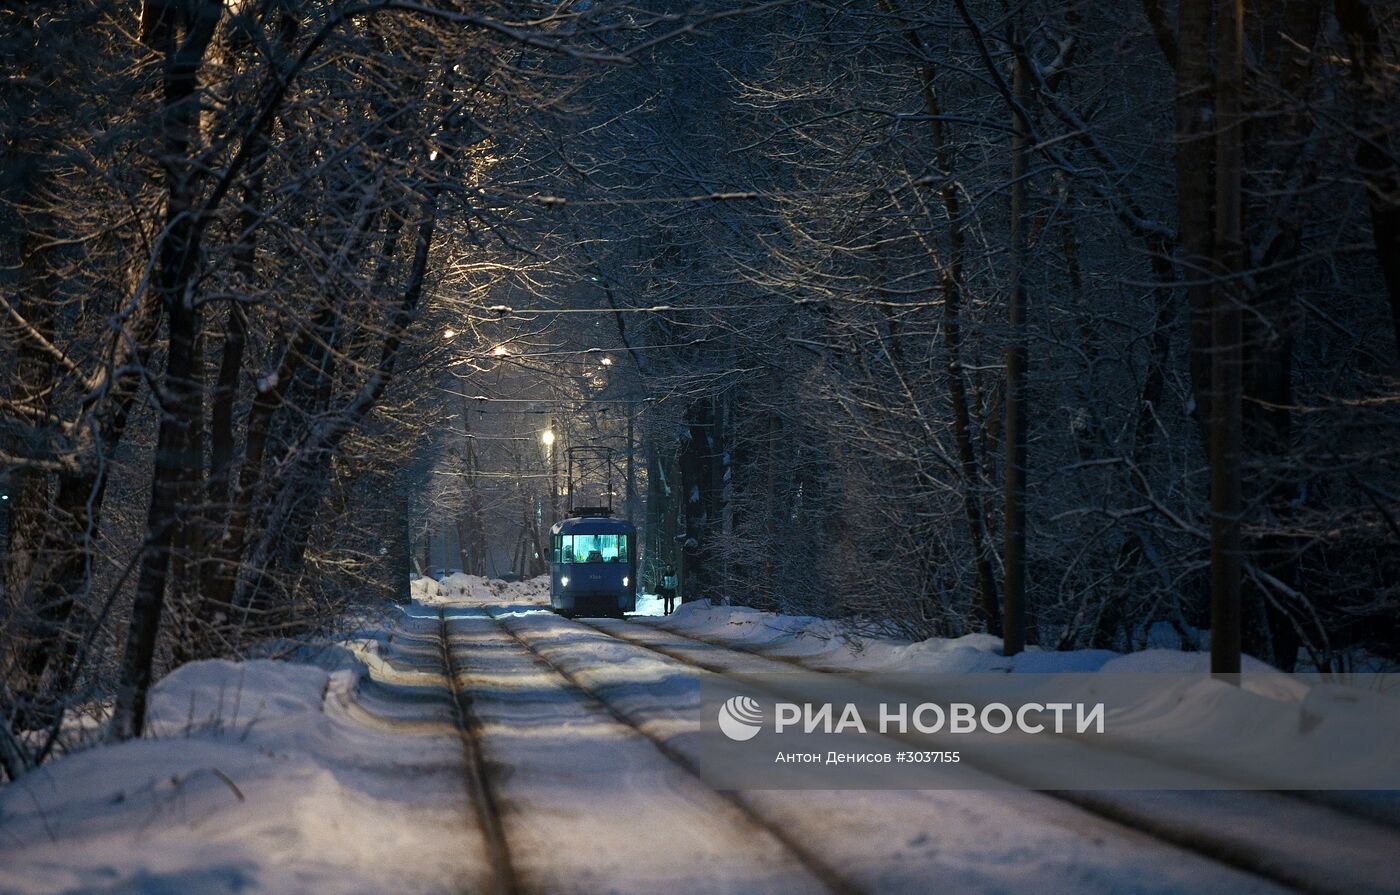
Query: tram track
(830, 879)
(1260, 860)
(485, 802)
(834, 880)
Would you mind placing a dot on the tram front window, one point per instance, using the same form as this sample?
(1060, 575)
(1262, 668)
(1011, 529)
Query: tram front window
(590, 548)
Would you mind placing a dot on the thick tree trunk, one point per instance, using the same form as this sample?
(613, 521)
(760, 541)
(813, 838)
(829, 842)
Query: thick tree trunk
(173, 282)
(1372, 91)
(695, 575)
(171, 471)
(1268, 336)
(1014, 553)
(1195, 157)
(1226, 345)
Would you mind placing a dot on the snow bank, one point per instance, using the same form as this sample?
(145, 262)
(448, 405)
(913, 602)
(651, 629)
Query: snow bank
(222, 695)
(824, 643)
(650, 605)
(424, 589)
(1169, 660)
(458, 588)
(831, 644)
(1264, 730)
(252, 777)
(472, 586)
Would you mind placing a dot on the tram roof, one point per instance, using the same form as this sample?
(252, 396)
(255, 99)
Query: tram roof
(593, 525)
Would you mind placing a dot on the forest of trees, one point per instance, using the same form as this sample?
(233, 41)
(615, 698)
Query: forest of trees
(1059, 320)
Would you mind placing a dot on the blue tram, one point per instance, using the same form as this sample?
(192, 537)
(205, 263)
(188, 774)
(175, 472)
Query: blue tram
(593, 564)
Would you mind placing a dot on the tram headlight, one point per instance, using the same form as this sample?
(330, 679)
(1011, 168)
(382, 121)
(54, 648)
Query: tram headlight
(626, 581)
(563, 580)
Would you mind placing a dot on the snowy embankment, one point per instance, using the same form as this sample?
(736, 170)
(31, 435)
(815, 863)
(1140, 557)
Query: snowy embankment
(458, 588)
(258, 775)
(1273, 727)
(831, 644)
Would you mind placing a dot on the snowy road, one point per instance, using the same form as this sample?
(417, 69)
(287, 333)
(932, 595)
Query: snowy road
(488, 745)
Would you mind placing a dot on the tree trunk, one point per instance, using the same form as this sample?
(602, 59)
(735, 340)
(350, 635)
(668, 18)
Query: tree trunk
(696, 482)
(1195, 156)
(1371, 84)
(1014, 553)
(1226, 348)
(173, 281)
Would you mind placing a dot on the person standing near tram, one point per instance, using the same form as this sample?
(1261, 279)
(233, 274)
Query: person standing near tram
(668, 589)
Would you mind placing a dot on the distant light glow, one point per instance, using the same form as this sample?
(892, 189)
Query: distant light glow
(547, 436)
(607, 361)
(449, 333)
(500, 351)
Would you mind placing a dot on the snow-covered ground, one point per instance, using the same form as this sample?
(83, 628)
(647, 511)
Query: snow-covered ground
(1266, 729)
(344, 771)
(458, 587)
(832, 644)
(258, 776)
(651, 605)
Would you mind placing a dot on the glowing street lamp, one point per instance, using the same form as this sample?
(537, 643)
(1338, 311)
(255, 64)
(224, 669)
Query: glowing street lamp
(449, 333)
(500, 351)
(547, 436)
(607, 361)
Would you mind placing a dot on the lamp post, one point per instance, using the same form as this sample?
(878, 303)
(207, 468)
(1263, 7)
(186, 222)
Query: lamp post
(547, 438)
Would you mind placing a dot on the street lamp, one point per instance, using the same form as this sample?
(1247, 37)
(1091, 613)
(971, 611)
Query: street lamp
(607, 361)
(449, 333)
(547, 436)
(500, 351)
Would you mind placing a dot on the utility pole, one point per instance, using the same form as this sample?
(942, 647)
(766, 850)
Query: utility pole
(551, 449)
